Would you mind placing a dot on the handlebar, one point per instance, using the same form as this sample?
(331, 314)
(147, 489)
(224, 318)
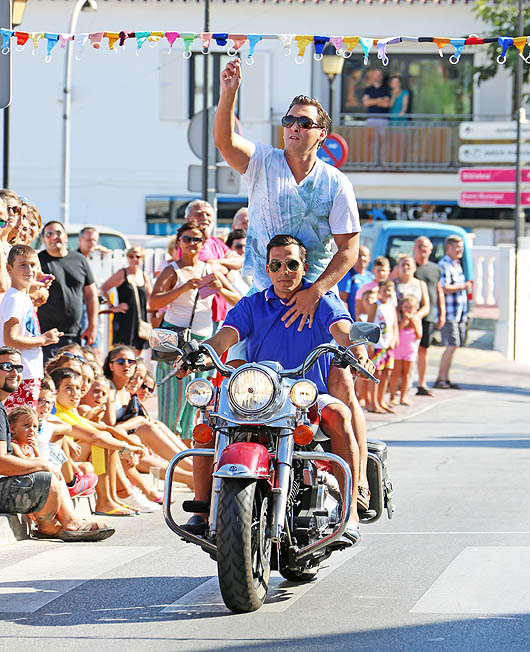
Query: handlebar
(343, 357)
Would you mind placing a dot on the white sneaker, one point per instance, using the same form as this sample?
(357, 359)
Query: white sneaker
(137, 500)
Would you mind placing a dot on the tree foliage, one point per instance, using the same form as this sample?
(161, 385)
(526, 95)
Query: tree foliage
(502, 16)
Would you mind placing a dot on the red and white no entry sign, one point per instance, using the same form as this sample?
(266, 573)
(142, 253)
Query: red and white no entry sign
(334, 150)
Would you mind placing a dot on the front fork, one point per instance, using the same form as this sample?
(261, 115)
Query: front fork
(220, 445)
(282, 480)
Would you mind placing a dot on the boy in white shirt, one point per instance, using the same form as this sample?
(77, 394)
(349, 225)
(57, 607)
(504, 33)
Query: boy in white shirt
(20, 327)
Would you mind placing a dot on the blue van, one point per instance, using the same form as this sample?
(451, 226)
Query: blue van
(396, 237)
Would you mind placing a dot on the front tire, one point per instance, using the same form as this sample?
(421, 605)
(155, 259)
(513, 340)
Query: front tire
(243, 547)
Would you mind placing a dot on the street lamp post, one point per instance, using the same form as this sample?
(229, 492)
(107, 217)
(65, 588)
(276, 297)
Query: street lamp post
(17, 13)
(81, 5)
(331, 66)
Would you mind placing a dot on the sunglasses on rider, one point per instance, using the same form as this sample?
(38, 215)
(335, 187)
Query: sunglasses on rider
(122, 361)
(291, 265)
(188, 239)
(14, 209)
(9, 366)
(147, 388)
(302, 120)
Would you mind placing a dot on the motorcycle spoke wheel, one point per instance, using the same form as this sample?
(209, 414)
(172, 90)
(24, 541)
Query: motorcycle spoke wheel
(243, 549)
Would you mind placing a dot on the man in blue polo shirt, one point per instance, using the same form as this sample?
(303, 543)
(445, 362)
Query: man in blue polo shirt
(257, 319)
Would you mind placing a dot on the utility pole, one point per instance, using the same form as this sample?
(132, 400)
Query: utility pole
(519, 214)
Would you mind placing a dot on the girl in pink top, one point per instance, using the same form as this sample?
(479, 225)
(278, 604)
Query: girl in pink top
(406, 352)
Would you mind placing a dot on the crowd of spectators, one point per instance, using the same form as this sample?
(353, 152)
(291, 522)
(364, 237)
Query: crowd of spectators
(73, 424)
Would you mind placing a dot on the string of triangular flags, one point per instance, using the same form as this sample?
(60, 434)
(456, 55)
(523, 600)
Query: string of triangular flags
(233, 43)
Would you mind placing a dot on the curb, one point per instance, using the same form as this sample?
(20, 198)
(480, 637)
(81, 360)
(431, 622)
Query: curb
(15, 528)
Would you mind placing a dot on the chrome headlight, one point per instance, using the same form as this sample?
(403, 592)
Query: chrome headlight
(251, 390)
(199, 393)
(303, 394)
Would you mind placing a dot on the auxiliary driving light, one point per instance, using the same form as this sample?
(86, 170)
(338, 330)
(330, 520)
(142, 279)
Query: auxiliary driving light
(303, 394)
(199, 393)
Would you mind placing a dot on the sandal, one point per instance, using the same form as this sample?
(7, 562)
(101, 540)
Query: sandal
(442, 384)
(423, 391)
(363, 498)
(89, 531)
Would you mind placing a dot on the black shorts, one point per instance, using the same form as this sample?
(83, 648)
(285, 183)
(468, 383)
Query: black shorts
(24, 494)
(428, 332)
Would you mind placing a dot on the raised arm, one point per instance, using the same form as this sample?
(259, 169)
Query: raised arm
(235, 149)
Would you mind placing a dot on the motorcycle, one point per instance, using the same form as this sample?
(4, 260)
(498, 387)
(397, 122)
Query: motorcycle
(273, 505)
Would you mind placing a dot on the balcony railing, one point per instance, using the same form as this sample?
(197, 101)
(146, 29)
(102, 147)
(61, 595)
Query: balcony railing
(420, 143)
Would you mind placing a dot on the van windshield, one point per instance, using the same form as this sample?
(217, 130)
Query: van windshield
(399, 245)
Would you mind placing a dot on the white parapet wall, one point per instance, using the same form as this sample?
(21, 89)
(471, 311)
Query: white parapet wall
(511, 332)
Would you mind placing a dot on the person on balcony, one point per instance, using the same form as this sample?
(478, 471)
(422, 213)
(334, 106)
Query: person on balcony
(399, 101)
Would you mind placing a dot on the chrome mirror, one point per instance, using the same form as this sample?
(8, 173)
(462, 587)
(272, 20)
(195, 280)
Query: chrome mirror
(162, 339)
(362, 332)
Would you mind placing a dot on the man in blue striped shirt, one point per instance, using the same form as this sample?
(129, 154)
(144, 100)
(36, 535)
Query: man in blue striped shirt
(455, 288)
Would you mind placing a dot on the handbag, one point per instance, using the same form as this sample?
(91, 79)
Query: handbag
(184, 335)
(144, 327)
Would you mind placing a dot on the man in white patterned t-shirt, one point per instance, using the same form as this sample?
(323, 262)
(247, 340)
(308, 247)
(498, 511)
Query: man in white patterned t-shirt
(292, 191)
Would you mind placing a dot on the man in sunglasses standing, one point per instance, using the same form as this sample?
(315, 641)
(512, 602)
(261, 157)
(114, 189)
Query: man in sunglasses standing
(72, 286)
(292, 191)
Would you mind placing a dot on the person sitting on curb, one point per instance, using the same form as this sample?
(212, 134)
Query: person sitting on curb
(31, 486)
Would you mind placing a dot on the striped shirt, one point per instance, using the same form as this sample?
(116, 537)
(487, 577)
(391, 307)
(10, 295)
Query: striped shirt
(455, 302)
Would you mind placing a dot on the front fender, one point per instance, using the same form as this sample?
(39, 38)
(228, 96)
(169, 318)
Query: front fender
(243, 460)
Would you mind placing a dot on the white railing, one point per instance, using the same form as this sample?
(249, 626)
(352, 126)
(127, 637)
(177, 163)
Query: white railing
(486, 262)
(486, 267)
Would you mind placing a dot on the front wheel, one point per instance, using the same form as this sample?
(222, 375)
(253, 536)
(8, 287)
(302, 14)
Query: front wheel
(243, 547)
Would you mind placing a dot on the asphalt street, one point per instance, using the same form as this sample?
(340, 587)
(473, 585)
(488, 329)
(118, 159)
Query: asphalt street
(450, 571)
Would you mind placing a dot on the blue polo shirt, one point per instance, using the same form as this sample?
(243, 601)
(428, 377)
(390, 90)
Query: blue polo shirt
(351, 283)
(257, 319)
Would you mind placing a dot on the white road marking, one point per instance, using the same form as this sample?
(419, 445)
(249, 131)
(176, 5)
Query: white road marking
(28, 585)
(421, 534)
(485, 580)
(282, 594)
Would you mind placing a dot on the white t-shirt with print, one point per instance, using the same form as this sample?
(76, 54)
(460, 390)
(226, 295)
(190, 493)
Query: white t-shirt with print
(321, 205)
(18, 304)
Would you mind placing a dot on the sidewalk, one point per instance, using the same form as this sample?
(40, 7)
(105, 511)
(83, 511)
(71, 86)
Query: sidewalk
(473, 367)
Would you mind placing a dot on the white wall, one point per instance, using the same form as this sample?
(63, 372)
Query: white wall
(127, 141)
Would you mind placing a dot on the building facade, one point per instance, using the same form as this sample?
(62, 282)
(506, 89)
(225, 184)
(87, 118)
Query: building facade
(131, 109)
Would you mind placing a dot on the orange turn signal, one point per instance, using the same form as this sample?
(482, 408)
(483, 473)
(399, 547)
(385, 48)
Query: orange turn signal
(202, 433)
(303, 435)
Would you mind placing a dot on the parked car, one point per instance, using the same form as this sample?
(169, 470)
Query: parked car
(395, 238)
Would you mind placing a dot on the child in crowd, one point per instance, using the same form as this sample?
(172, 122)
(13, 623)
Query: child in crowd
(406, 352)
(56, 445)
(384, 314)
(24, 426)
(100, 441)
(381, 271)
(362, 386)
(139, 495)
(20, 327)
(94, 403)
